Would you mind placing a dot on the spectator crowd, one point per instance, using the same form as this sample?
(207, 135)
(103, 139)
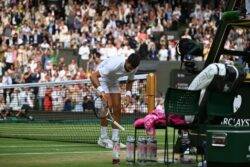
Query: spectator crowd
(33, 33)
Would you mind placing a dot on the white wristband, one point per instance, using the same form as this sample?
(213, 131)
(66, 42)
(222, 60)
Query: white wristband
(99, 89)
(128, 93)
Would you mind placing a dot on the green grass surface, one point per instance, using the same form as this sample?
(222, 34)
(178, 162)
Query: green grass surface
(44, 145)
(35, 153)
(83, 133)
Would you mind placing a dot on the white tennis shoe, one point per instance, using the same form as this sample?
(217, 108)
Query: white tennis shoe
(122, 145)
(105, 142)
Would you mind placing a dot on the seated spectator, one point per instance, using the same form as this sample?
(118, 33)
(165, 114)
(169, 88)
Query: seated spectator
(67, 101)
(78, 99)
(57, 98)
(88, 104)
(47, 100)
(21, 102)
(163, 54)
(3, 108)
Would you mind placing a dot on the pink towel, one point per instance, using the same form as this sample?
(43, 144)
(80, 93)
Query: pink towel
(174, 119)
(149, 121)
(157, 118)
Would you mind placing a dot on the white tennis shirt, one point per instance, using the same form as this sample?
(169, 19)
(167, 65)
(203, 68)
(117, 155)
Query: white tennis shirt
(112, 69)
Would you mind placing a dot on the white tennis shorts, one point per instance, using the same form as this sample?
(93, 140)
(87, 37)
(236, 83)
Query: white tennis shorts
(110, 87)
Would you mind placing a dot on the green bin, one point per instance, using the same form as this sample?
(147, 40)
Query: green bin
(228, 146)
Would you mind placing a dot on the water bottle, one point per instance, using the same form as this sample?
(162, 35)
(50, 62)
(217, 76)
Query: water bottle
(247, 68)
(151, 150)
(185, 145)
(154, 150)
(116, 152)
(142, 150)
(185, 138)
(139, 145)
(130, 149)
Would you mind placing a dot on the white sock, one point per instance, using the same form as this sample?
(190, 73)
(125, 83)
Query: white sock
(115, 135)
(104, 132)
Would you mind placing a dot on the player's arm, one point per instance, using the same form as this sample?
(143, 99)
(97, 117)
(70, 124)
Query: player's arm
(128, 93)
(129, 87)
(129, 83)
(94, 78)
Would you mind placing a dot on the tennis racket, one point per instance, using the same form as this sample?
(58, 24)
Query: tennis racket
(102, 110)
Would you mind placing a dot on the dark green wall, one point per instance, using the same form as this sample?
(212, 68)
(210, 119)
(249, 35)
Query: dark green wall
(163, 69)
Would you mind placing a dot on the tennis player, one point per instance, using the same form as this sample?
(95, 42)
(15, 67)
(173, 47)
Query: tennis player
(109, 71)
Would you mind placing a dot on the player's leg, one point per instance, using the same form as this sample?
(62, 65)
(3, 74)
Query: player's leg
(116, 106)
(104, 140)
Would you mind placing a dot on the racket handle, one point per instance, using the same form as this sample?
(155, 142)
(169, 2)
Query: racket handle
(119, 126)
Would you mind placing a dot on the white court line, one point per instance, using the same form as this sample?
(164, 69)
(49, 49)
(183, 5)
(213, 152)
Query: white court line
(43, 146)
(54, 153)
(34, 134)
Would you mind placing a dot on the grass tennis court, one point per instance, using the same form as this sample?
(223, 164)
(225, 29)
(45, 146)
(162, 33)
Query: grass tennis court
(85, 130)
(73, 127)
(37, 153)
(62, 142)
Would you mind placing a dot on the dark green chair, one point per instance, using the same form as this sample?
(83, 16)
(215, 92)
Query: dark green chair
(180, 102)
(220, 104)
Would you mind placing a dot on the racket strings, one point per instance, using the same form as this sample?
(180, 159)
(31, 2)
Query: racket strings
(101, 107)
